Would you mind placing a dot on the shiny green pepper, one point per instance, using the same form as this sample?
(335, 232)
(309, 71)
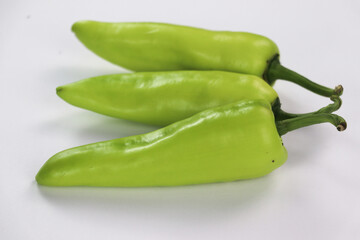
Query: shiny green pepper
(161, 98)
(164, 47)
(236, 141)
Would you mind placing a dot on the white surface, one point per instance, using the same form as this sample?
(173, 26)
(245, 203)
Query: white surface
(315, 195)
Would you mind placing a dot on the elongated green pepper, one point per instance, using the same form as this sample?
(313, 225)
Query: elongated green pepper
(236, 141)
(163, 47)
(161, 98)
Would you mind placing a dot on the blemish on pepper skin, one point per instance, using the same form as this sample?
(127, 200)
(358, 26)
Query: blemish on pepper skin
(273, 161)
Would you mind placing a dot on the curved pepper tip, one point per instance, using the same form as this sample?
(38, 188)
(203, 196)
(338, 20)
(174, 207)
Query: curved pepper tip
(74, 27)
(38, 178)
(59, 89)
(77, 25)
(44, 176)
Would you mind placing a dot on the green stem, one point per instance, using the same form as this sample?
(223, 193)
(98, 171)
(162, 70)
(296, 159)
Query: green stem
(288, 125)
(276, 71)
(282, 115)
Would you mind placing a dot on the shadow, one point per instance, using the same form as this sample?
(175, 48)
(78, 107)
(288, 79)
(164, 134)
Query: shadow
(198, 201)
(88, 125)
(305, 143)
(110, 128)
(68, 74)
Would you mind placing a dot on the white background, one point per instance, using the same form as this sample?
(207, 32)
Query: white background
(315, 195)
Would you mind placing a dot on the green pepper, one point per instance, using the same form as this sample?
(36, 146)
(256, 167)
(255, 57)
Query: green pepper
(164, 47)
(161, 98)
(236, 141)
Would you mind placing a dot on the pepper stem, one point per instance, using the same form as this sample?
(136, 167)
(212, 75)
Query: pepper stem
(276, 71)
(288, 125)
(282, 115)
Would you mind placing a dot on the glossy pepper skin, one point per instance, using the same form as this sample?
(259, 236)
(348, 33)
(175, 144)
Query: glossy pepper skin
(227, 143)
(161, 98)
(160, 46)
(146, 46)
